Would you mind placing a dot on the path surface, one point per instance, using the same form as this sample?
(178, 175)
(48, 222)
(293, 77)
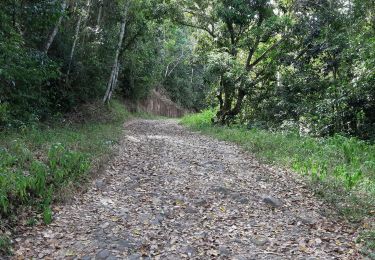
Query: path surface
(174, 194)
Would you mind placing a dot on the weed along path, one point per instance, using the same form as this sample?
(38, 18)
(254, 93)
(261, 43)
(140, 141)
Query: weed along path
(174, 194)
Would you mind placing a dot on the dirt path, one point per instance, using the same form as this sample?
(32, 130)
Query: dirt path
(173, 194)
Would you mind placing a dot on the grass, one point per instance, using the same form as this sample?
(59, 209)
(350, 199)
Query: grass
(41, 164)
(340, 169)
(5, 244)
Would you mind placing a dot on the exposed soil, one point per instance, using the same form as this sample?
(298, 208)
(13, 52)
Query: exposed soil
(174, 194)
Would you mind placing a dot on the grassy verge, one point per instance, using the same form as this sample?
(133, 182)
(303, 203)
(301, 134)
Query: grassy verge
(41, 164)
(341, 170)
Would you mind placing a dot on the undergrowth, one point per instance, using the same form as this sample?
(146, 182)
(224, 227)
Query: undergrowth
(40, 164)
(341, 169)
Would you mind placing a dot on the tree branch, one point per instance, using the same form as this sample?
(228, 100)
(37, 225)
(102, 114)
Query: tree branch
(264, 54)
(197, 27)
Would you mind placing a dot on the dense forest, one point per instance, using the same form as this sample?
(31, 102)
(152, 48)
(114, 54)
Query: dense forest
(56, 55)
(292, 81)
(271, 64)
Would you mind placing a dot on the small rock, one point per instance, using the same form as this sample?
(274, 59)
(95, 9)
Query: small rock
(191, 210)
(124, 243)
(155, 222)
(105, 225)
(224, 251)
(99, 184)
(243, 200)
(103, 254)
(307, 220)
(236, 195)
(86, 257)
(240, 198)
(260, 241)
(201, 202)
(189, 250)
(159, 217)
(272, 201)
(222, 190)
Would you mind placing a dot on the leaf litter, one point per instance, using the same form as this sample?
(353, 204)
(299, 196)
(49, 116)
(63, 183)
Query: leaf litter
(174, 194)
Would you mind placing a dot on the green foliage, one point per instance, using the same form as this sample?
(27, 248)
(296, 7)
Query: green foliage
(37, 85)
(200, 121)
(47, 215)
(31, 222)
(272, 63)
(66, 165)
(368, 238)
(322, 79)
(39, 162)
(5, 244)
(25, 179)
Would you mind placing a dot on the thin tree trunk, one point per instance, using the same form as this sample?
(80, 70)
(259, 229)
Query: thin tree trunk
(115, 67)
(86, 18)
(55, 30)
(114, 82)
(100, 13)
(76, 37)
(169, 72)
(192, 76)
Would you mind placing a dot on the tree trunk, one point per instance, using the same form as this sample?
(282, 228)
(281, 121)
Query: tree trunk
(226, 114)
(100, 13)
(168, 71)
(113, 81)
(116, 66)
(55, 30)
(76, 37)
(192, 76)
(225, 98)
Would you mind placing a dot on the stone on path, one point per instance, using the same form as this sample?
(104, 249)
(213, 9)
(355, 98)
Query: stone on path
(103, 254)
(272, 201)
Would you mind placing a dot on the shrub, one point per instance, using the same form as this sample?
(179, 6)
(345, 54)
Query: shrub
(24, 179)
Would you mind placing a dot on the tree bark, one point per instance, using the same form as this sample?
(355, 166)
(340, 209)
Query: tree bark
(226, 114)
(76, 37)
(100, 13)
(115, 68)
(114, 81)
(55, 30)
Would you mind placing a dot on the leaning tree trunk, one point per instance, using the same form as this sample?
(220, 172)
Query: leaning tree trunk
(76, 37)
(114, 80)
(55, 30)
(116, 66)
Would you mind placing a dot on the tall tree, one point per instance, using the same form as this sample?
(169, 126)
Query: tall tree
(243, 36)
(116, 64)
(83, 15)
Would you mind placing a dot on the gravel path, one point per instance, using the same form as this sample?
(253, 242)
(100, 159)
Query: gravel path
(174, 194)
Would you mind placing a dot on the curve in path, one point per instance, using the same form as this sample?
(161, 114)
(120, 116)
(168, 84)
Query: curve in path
(174, 194)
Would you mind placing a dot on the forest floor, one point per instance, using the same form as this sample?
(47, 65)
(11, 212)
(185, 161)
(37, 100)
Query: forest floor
(174, 194)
